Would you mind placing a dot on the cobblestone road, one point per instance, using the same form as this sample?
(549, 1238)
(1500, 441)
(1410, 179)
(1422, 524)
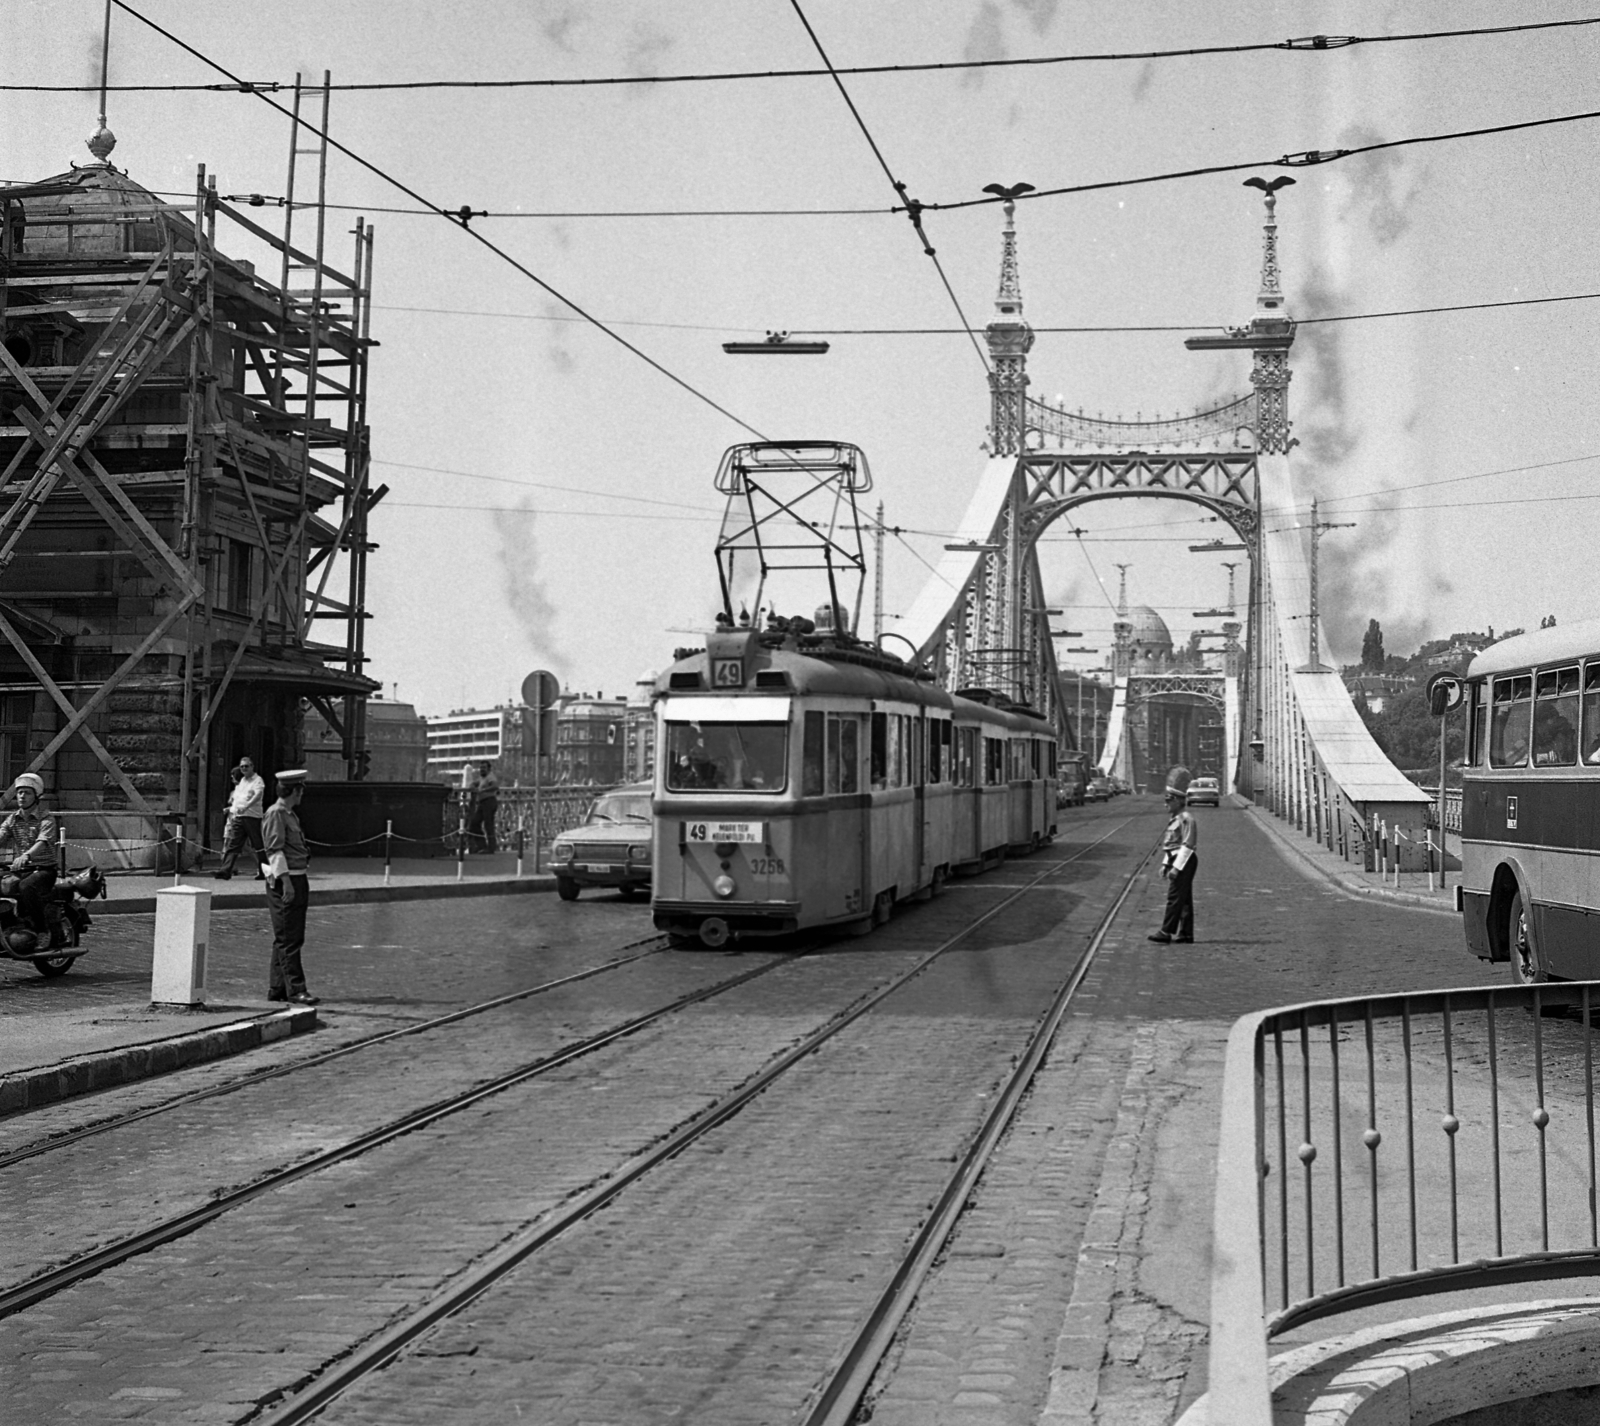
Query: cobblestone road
(719, 1287)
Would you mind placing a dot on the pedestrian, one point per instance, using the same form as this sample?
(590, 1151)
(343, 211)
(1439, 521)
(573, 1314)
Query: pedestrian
(288, 889)
(480, 832)
(244, 819)
(1179, 861)
(28, 848)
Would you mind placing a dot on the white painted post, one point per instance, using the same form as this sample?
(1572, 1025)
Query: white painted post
(183, 931)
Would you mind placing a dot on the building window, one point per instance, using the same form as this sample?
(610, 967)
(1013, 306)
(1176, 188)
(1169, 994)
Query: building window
(15, 711)
(240, 576)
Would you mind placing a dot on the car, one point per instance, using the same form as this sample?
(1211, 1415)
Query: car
(1099, 790)
(611, 848)
(1204, 792)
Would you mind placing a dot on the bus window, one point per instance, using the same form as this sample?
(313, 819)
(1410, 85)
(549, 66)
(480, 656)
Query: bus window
(1591, 712)
(1508, 725)
(1480, 721)
(1555, 718)
(811, 757)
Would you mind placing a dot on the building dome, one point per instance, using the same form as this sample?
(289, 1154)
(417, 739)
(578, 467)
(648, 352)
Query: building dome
(1148, 630)
(87, 193)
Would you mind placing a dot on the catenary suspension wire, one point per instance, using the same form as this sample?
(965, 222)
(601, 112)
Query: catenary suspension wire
(1308, 44)
(913, 208)
(476, 236)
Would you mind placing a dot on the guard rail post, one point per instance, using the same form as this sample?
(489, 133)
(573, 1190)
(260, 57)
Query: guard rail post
(461, 849)
(388, 841)
(520, 839)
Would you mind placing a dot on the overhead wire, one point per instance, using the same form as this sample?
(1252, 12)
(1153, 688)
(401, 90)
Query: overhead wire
(1306, 44)
(478, 237)
(545, 485)
(913, 208)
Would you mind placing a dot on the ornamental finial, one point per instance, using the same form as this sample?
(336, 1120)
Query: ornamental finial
(1008, 302)
(1270, 297)
(101, 142)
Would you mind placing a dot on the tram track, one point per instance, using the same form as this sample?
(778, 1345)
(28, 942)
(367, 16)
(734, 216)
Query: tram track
(41, 1286)
(477, 1279)
(656, 945)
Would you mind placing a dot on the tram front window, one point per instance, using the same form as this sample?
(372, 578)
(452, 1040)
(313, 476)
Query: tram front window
(734, 757)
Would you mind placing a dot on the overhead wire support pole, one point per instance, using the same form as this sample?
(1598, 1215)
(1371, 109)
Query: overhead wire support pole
(1318, 527)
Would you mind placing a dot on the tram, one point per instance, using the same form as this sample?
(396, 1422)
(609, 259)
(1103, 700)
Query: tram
(1530, 804)
(805, 779)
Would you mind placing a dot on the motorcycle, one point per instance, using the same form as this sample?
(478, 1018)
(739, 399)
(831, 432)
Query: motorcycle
(66, 913)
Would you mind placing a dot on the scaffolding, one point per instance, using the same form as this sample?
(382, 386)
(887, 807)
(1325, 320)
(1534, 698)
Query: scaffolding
(184, 485)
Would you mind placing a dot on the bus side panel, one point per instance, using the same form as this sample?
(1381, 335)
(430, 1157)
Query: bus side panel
(1475, 923)
(1566, 937)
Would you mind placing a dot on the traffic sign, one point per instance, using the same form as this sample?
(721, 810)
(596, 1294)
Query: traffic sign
(1445, 692)
(540, 689)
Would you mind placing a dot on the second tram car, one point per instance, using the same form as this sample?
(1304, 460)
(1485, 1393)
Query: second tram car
(807, 779)
(1530, 804)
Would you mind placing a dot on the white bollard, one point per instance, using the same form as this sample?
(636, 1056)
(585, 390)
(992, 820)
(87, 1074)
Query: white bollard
(183, 929)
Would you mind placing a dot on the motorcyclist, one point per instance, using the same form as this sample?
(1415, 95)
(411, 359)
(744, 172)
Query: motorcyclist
(28, 845)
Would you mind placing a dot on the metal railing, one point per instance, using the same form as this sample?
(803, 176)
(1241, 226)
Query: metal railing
(1390, 1147)
(559, 808)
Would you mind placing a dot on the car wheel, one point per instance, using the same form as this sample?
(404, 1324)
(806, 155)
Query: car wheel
(566, 888)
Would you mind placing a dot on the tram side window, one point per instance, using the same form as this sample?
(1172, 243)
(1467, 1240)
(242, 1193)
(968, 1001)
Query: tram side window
(811, 757)
(965, 760)
(994, 771)
(1555, 718)
(1591, 712)
(844, 769)
(880, 751)
(935, 750)
(1509, 721)
(896, 763)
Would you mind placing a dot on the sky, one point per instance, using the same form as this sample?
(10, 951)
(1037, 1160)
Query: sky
(552, 501)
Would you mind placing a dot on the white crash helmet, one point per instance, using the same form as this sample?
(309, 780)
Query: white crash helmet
(32, 781)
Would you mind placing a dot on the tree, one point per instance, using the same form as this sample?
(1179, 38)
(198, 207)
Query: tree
(1372, 647)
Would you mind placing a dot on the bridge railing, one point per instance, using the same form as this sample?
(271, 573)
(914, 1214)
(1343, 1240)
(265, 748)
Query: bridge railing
(1391, 1147)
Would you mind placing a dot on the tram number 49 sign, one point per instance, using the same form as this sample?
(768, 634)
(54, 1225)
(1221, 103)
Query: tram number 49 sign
(727, 673)
(724, 831)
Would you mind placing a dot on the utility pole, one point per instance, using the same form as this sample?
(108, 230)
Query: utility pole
(1317, 528)
(877, 580)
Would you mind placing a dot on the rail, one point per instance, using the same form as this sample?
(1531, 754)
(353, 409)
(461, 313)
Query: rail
(1389, 1147)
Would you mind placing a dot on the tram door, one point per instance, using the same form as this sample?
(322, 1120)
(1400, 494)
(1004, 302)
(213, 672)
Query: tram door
(919, 781)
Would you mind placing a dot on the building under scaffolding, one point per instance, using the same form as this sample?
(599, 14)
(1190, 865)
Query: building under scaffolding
(183, 493)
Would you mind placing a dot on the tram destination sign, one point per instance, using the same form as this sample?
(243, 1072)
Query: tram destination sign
(724, 831)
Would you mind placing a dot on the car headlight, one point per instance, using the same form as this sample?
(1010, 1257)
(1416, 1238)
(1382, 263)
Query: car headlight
(563, 851)
(639, 853)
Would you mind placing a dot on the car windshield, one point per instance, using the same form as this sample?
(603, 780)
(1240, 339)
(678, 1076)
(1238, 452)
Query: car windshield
(633, 808)
(743, 757)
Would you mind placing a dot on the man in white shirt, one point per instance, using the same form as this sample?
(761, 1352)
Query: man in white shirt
(244, 820)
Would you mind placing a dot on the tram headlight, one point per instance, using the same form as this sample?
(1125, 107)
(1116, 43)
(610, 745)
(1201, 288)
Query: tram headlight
(723, 886)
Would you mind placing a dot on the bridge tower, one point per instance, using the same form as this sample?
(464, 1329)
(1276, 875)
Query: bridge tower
(1286, 732)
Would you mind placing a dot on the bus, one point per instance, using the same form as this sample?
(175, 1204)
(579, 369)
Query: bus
(1530, 804)
(1072, 773)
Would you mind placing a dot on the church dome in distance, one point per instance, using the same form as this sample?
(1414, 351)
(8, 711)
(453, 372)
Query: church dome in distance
(1148, 629)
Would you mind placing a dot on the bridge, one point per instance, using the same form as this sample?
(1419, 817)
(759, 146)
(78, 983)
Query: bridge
(1290, 737)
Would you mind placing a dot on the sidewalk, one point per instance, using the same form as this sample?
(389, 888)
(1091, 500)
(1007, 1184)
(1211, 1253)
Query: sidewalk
(1348, 876)
(50, 1050)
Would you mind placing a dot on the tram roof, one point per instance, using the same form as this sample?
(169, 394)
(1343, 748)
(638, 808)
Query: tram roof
(1557, 644)
(811, 675)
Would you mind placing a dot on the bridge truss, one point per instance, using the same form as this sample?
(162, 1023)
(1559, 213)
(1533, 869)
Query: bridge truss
(1295, 743)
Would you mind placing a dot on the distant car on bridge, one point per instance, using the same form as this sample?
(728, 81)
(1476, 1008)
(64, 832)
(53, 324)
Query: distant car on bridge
(1099, 790)
(1205, 792)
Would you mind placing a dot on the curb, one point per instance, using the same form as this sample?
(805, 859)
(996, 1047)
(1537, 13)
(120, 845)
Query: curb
(341, 896)
(31, 1088)
(1356, 890)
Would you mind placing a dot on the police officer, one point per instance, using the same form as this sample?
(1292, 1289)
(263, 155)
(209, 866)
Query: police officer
(288, 890)
(1179, 861)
